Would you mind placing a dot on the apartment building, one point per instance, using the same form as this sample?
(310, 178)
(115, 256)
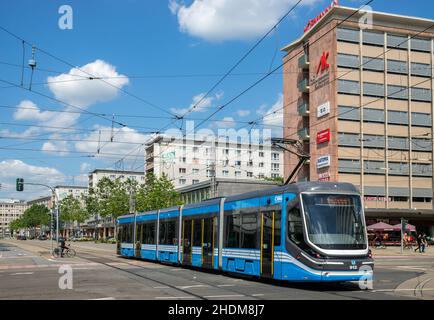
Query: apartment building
(360, 96)
(10, 210)
(187, 161)
(123, 175)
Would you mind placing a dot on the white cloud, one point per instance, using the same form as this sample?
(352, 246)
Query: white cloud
(85, 167)
(58, 148)
(243, 113)
(27, 110)
(226, 122)
(12, 169)
(218, 20)
(84, 93)
(125, 140)
(203, 106)
(273, 117)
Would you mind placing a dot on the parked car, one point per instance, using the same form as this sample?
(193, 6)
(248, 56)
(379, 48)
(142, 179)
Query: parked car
(21, 237)
(42, 237)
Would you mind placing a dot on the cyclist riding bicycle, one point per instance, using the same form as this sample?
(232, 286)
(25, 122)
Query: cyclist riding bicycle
(62, 246)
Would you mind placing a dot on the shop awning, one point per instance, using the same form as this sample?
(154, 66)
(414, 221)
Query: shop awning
(381, 226)
(408, 227)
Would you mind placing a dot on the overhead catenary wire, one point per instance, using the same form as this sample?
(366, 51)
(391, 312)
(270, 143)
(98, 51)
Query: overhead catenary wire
(271, 72)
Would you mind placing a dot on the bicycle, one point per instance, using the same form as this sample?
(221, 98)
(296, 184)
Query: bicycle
(70, 253)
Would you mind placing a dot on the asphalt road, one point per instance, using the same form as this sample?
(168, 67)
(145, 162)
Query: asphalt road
(27, 271)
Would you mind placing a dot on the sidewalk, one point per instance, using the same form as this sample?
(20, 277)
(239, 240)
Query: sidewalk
(396, 251)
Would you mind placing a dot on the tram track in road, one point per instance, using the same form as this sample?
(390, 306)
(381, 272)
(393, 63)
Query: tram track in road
(232, 292)
(201, 283)
(183, 281)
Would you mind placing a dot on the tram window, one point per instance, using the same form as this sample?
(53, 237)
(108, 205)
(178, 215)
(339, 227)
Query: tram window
(277, 227)
(232, 233)
(149, 233)
(139, 232)
(119, 234)
(163, 231)
(128, 233)
(197, 233)
(171, 233)
(295, 227)
(249, 231)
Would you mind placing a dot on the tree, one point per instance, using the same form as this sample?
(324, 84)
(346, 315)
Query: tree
(36, 215)
(157, 193)
(72, 210)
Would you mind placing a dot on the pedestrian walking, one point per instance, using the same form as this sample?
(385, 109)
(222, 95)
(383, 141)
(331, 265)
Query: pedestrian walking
(424, 242)
(419, 243)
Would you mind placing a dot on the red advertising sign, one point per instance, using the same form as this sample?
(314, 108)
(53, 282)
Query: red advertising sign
(323, 64)
(323, 136)
(313, 21)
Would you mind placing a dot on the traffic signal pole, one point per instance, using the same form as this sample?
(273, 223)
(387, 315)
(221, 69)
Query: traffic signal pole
(20, 187)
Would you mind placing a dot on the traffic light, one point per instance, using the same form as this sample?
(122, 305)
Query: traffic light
(20, 184)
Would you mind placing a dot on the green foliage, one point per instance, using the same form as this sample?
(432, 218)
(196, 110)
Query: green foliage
(156, 194)
(71, 209)
(34, 216)
(275, 179)
(111, 198)
(16, 224)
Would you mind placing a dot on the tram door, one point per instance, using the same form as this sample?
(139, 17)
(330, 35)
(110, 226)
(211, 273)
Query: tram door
(267, 250)
(187, 241)
(207, 242)
(138, 243)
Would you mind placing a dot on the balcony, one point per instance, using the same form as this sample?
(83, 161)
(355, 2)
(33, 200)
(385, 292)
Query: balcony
(303, 110)
(303, 85)
(304, 134)
(303, 62)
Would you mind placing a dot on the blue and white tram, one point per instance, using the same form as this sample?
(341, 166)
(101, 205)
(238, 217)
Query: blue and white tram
(313, 231)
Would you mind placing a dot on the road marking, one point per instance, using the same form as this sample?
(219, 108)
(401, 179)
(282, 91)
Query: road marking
(193, 286)
(162, 287)
(257, 294)
(106, 298)
(21, 273)
(392, 290)
(186, 297)
(226, 296)
(411, 268)
(225, 285)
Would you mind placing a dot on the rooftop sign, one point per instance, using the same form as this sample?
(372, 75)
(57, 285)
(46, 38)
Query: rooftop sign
(313, 21)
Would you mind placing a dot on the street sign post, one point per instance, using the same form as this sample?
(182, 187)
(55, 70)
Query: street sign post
(403, 227)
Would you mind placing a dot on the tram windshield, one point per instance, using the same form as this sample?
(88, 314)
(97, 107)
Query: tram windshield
(335, 222)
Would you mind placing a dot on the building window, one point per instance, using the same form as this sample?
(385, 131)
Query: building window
(275, 167)
(183, 159)
(275, 156)
(250, 163)
(195, 149)
(397, 66)
(237, 173)
(423, 45)
(182, 170)
(348, 87)
(397, 42)
(373, 64)
(195, 181)
(373, 89)
(348, 35)
(348, 61)
(261, 164)
(261, 154)
(195, 171)
(250, 174)
(373, 38)
(225, 173)
(182, 181)
(238, 163)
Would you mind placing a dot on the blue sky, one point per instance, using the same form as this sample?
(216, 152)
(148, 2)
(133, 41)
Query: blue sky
(165, 52)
